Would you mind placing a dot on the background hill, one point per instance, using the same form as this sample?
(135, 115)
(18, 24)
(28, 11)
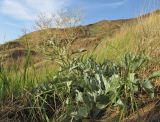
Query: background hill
(112, 40)
(93, 34)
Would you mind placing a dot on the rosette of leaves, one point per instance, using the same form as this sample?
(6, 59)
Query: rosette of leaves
(86, 88)
(97, 86)
(91, 87)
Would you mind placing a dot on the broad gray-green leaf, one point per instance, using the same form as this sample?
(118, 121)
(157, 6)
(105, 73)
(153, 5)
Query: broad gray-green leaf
(101, 106)
(79, 97)
(155, 75)
(135, 88)
(106, 84)
(148, 86)
(98, 77)
(73, 114)
(102, 101)
(131, 77)
(152, 95)
(114, 83)
(83, 111)
(120, 103)
(93, 95)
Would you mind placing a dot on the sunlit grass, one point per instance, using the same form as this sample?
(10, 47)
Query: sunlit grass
(44, 87)
(144, 35)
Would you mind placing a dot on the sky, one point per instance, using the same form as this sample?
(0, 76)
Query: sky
(18, 14)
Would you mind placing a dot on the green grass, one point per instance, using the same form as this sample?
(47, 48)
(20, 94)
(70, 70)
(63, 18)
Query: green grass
(16, 80)
(113, 50)
(84, 88)
(135, 39)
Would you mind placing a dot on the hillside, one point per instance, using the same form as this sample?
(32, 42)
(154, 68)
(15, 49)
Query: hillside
(115, 79)
(93, 34)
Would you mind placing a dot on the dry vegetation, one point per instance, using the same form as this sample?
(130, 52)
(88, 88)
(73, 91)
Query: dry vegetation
(140, 37)
(84, 85)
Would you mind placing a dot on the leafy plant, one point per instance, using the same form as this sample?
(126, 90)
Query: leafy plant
(86, 88)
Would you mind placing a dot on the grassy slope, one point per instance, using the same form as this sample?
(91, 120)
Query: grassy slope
(142, 37)
(95, 32)
(135, 38)
(116, 37)
(13, 54)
